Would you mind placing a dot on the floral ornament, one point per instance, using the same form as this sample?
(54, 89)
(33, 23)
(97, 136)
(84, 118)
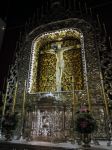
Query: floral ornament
(9, 121)
(84, 122)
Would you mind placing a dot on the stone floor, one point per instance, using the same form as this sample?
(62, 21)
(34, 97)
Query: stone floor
(68, 146)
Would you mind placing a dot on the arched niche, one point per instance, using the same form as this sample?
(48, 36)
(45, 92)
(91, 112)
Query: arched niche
(56, 62)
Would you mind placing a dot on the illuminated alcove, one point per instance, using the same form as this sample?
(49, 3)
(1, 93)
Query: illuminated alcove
(56, 62)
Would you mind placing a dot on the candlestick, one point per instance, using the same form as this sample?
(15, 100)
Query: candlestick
(104, 95)
(14, 99)
(73, 89)
(80, 9)
(24, 98)
(74, 96)
(23, 110)
(5, 100)
(104, 28)
(110, 42)
(91, 12)
(86, 8)
(98, 20)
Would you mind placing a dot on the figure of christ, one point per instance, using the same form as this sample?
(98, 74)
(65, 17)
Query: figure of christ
(58, 50)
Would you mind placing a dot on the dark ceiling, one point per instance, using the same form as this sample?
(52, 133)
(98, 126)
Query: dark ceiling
(16, 12)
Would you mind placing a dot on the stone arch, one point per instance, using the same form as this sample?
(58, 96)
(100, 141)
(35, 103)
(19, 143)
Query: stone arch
(90, 54)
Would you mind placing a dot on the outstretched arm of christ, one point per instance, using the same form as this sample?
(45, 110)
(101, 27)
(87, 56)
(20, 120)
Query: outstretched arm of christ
(58, 50)
(67, 48)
